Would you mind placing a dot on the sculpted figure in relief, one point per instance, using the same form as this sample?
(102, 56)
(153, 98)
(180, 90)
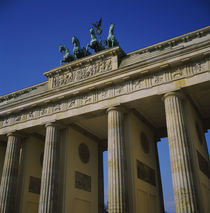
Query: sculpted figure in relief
(6, 122)
(18, 118)
(43, 111)
(71, 103)
(178, 72)
(197, 67)
(30, 114)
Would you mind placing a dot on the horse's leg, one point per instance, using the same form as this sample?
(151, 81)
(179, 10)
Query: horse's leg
(61, 61)
(87, 47)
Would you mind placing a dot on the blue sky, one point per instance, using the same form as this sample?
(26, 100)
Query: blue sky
(31, 32)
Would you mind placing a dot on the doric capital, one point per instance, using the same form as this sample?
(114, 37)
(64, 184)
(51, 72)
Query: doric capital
(54, 124)
(118, 108)
(15, 134)
(174, 93)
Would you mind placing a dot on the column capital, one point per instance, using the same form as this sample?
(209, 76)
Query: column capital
(16, 134)
(118, 108)
(173, 93)
(54, 124)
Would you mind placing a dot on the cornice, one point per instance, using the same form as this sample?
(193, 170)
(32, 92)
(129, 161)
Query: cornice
(20, 92)
(173, 42)
(112, 77)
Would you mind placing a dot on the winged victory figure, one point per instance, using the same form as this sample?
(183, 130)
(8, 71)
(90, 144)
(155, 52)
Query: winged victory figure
(97, 25)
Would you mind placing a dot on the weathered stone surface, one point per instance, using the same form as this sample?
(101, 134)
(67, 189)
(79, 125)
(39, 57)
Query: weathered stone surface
(49, 181)
(116, 162)
(9, 175)
(180, 154)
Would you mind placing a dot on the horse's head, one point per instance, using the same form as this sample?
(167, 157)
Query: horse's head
(75, 41)
(62, 48)
(111, 28)
(92, 31)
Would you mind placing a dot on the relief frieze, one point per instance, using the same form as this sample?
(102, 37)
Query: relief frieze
(43, 111)
(18, 118)
(86, 99)
(71, 103)
(138, 84)
(178, 72)
(56, 107)
(31, 114)
(104, 93)
(120, 89)
(112, 90)
(82, 73)
(158, 78)
(82, 181)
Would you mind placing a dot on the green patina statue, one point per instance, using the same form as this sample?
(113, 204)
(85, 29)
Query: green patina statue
(111, 39)
(68, 57)
(97, 25)
(94, 43)
(78, 51)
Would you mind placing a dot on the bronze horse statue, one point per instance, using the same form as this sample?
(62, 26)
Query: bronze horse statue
(78, 51)
(94, 43)
(68, 57)
(111, 39)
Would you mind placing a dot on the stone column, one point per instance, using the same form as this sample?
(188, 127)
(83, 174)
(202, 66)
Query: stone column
(10, 174)
(48, 194)
(181, 165)
(116, 162)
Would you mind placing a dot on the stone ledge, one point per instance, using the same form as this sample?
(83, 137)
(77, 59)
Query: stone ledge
(85, 61)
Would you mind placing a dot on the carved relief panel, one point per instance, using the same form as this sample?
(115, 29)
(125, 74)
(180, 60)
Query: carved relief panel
(79, 74)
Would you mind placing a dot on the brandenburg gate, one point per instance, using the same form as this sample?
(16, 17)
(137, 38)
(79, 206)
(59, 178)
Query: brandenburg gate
(53, 134)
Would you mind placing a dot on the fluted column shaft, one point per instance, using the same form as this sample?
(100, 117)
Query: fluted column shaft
(9, 174)
(48, 195)
(179, 147)
(116, 162)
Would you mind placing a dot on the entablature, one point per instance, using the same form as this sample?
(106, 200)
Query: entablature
(70, 86)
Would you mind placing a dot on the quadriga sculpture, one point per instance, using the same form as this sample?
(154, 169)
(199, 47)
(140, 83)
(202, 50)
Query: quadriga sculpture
(111, 39)
(78, 51)
(94, 43)
(68, 57)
